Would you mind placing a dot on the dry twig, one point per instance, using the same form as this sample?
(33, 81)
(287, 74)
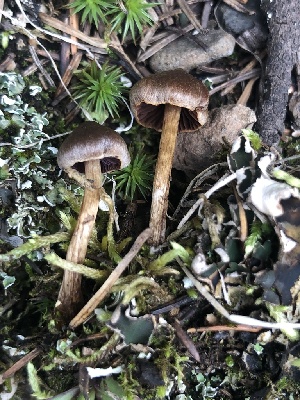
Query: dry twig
(246, 92)
(220, 328)
(74, 63)
(105, 288)
(190, 15)
(100, 44)
(19, 364)
(236, 5)
(248, 75)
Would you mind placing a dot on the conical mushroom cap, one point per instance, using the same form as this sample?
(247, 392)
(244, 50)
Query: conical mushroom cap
(91, 141)
(149, 95)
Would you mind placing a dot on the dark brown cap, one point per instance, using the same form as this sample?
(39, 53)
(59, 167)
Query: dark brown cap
(177, 87)
(91, 141)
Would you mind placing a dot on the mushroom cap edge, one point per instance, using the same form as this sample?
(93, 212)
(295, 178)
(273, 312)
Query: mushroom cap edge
(176, 87)
(92, 141)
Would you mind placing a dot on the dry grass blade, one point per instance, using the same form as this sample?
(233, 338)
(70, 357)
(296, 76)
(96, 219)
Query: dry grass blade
(248, 75)
(39, 65)
(73, 65)
(147, 38)
(32, 68)
(249, 67)
(116, 46)
(164, 42)
(100, 44)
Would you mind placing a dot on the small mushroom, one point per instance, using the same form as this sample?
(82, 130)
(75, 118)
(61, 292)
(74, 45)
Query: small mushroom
(170, 102)
(88, 152)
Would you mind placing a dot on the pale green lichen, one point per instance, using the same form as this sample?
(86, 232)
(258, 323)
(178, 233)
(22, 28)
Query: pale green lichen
(28, 158)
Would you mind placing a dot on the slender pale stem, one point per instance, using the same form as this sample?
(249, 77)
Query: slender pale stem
(70, 295)
(161, 184)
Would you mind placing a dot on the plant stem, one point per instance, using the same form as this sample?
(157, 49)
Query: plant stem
(162, 175)
(70, 297)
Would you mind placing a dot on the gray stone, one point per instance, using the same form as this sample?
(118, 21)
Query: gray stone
(197, 150)
(185, 53)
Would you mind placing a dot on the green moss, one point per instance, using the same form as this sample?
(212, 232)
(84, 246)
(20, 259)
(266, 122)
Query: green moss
(284, 388)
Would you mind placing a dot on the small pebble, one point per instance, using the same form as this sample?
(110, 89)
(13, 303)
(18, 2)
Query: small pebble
(187, 54)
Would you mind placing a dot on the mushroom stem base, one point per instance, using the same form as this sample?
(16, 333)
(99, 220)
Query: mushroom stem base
(70, 295)
(161, 184)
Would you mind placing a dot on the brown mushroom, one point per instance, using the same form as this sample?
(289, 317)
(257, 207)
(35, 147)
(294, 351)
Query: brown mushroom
(171, 102)
(89, 151)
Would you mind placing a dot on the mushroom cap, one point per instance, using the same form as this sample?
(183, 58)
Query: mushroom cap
(91, 141)
(176, 87)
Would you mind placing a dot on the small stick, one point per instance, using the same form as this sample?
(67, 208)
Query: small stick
(190, 15)
(116, 46)
(242, 216)
(31, 47)
(236, 5)
(238, 319)
(248, 75)
(206, 13)
(8, 64)
(74, 23)
(65, 51)
(73, 65)
(218, 185)
(53, 54)
(221, 328)
(116, 273)
(249, 67)
(246, 92)
(168, 21)
(19, 364)
(186, 340)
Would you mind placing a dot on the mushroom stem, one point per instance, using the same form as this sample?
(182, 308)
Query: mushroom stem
(70, 296)
(162, 175)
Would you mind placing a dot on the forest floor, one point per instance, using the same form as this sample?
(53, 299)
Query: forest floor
(211, 309)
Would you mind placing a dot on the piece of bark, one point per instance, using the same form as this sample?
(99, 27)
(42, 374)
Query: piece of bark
(283, 44)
